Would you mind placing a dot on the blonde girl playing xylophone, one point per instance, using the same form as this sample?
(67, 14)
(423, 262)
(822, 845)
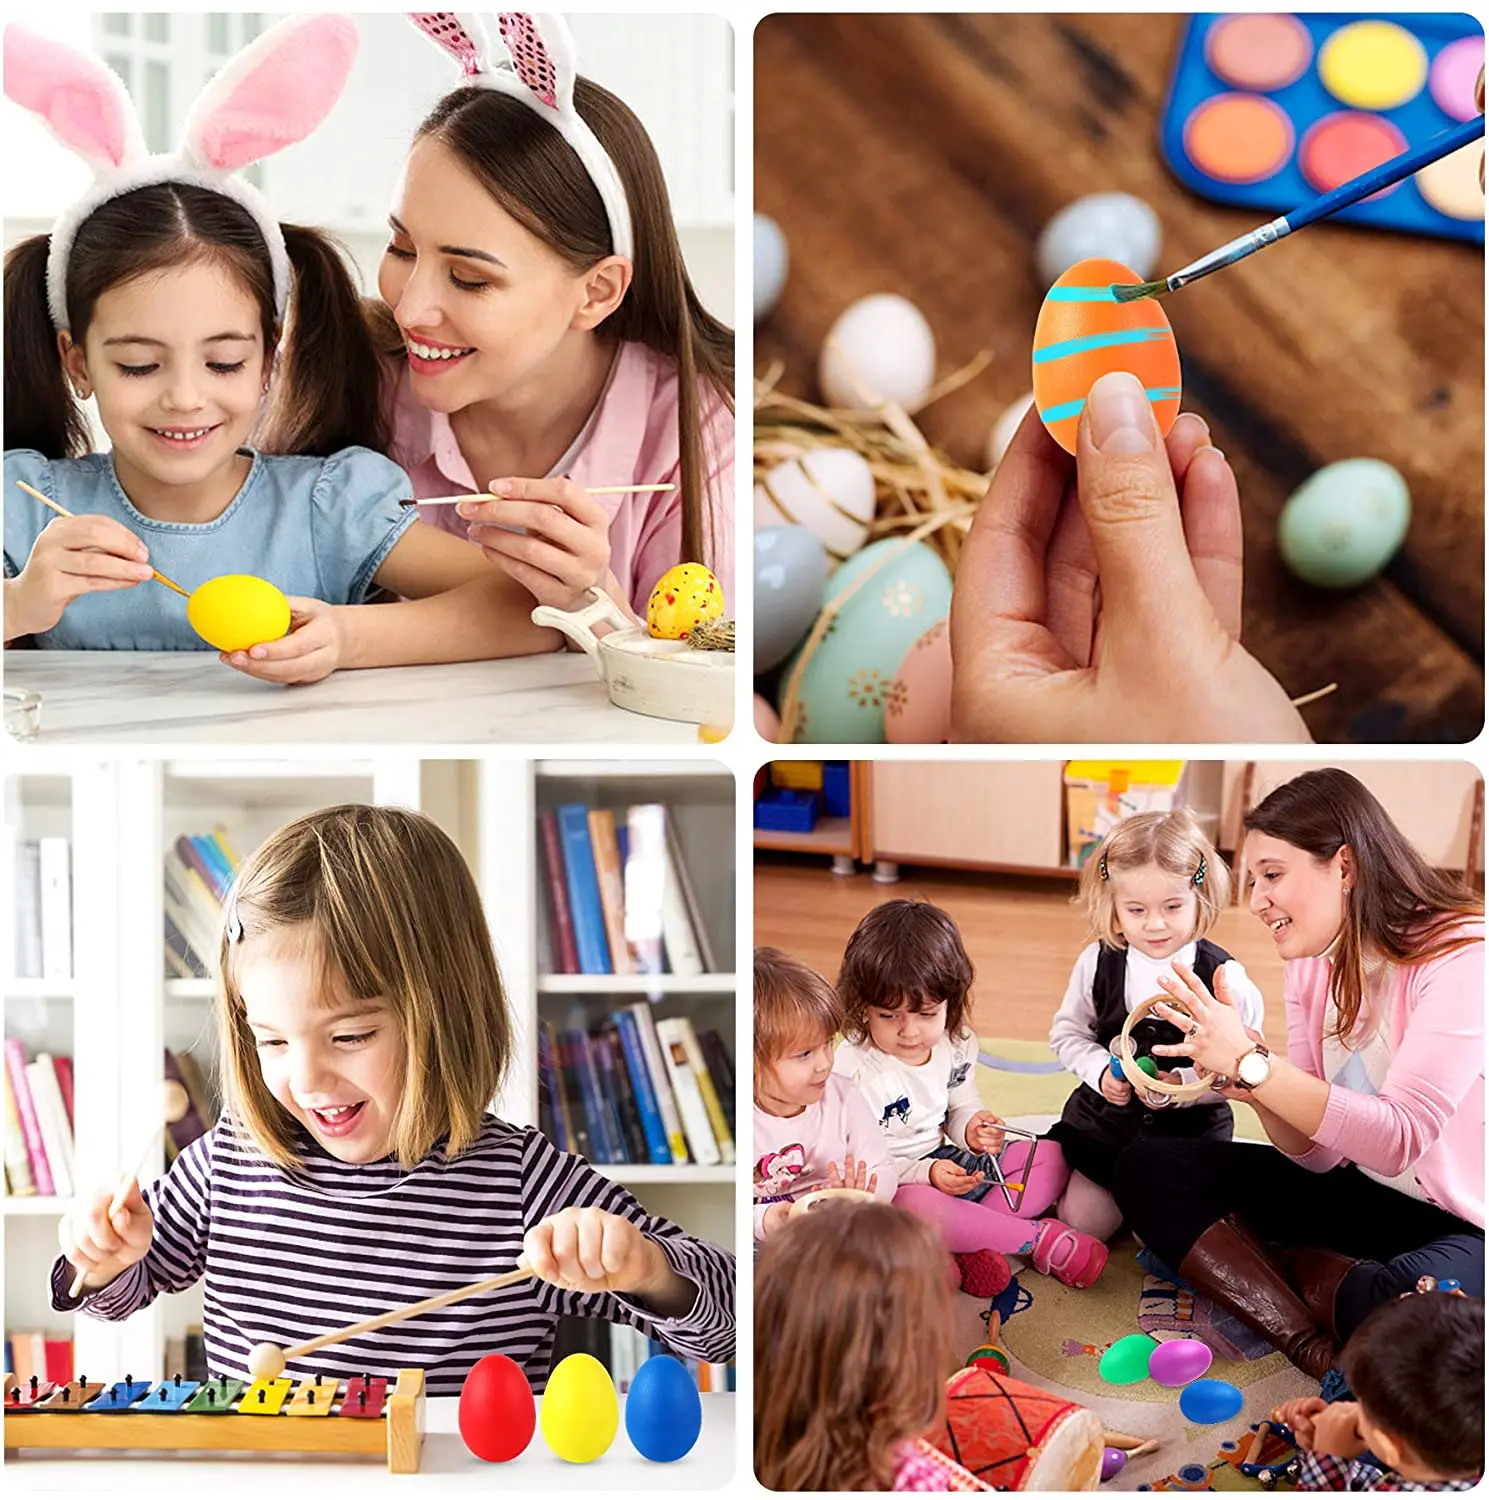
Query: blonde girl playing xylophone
(364, 1030)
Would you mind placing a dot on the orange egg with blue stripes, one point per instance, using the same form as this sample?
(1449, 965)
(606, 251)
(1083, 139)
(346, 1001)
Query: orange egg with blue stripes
(1084, 333)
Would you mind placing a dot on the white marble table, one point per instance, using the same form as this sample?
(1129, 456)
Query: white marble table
(121, 697)
(446, 1464)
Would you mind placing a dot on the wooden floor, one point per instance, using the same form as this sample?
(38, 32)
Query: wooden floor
(923, 154)
(1023, 936)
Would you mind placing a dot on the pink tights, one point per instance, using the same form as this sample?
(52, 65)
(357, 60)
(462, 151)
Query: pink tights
(991, 1225)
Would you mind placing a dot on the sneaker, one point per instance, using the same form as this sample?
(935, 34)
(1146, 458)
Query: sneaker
(984, 1273)
(1066, 1254)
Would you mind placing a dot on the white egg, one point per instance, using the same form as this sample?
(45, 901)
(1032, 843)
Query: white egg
(1004, 428)
(772, 260)
(1105, 226)
(881, 349)
(830, 491)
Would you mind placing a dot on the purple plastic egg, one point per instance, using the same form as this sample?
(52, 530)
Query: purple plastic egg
(1112, 1460)
(1178, 1361)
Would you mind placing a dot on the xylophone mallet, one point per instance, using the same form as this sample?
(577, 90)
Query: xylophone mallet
(267, 1361)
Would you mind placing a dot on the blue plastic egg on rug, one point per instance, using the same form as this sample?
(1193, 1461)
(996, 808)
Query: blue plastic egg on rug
(1210, 1401)
(1178, 1361)
(664, 1413)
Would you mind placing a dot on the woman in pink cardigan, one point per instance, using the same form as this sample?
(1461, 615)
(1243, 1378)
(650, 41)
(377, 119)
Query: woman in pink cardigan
(1377, 1112)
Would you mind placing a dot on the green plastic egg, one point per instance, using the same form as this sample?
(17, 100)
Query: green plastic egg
(1344, 524)
(848, 680)
(1126, 1362)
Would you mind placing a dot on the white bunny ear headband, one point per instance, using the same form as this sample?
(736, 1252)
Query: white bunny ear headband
(272, 94)
(534, 62)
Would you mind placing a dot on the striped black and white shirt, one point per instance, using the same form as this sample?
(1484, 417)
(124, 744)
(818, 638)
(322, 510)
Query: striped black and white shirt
(290, 1256)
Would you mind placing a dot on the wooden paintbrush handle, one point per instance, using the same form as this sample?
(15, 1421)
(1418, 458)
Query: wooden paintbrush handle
(398, 1314)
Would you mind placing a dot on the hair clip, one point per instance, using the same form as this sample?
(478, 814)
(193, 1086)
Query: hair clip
(1199, 874)
(233, 925)
(1101, 866)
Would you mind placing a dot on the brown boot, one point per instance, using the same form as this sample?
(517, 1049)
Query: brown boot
(1230, 1268)
(1317, 1274)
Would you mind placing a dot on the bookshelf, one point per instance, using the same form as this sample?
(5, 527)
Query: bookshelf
(119, 1010)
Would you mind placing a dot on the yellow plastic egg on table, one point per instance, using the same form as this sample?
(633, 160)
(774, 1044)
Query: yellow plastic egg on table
(580, 1414)
(685, 596)
(1084, 333)
(237, 611)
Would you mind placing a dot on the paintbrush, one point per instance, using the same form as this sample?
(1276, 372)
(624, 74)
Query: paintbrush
(63, 511)
(1393, 171)
(604, 489)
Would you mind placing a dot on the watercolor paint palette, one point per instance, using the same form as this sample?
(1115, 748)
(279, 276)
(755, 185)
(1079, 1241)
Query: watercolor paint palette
(1269, 111)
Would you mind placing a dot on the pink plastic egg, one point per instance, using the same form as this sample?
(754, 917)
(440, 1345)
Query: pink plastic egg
(917, 710)
(1178, 1361)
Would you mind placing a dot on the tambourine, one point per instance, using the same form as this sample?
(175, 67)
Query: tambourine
(808, 1202)
(1122, 1049)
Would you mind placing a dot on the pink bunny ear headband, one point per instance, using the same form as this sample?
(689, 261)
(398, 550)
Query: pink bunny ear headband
(274, 93)
(539, 69)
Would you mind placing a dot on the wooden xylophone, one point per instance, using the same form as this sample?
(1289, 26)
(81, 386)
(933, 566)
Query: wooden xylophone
(319, 1415)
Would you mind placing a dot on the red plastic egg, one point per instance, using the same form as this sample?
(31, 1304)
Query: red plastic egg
(497, 1412)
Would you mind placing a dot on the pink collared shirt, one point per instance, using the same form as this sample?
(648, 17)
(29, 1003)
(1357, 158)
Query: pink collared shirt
(630, 438)
(1428, 1114)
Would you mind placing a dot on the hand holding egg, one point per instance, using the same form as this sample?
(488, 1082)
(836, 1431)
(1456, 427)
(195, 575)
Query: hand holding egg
(549, 534)
(314, 648)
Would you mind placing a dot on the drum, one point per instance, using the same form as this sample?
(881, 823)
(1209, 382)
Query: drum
(1013, 1436)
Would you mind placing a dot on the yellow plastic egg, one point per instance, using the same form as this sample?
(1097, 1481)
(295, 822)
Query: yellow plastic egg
(237, 611)
(685, 596)
(580, 1414)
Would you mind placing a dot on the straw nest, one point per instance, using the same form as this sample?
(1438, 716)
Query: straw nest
(712, 635)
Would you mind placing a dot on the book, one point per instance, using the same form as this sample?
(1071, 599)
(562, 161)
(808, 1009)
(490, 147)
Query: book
(56, 1137)
(655, 1132)
(580, 1141)
(661, 1081)
(217, 861)
(683, 1029)
(612, 888)
(191, 1125)
(565, 956)
(56, 908)
(18, 1180)
(645, 878)
(605, 1149)
(194, 908)
(62, 1067)
(603, 1062)
(681, 942)
(627, 1104)
(180, 957)
(195, 861)
(584, 889)
(15, 1067)
(690, 1106)
(562, 1106)
(57, 1357)
(550, 1120)
(679, 869)
(26, 951)
(721, 1070)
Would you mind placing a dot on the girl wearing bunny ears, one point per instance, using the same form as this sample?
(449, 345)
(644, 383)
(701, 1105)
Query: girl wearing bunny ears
(170, 294)
(540, 323)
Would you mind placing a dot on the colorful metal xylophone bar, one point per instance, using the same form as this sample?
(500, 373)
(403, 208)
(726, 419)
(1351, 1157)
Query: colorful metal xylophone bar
(203, 1415)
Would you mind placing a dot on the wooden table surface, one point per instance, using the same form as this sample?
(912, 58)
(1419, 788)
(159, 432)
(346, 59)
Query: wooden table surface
(924, 154)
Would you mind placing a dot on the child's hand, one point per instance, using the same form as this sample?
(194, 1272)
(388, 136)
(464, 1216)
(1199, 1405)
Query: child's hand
(1115, 1090)
(314, 648)
(855, 1174)
(1042, 654)
(589, 1250)
(985, 1133)
(1336, 1430)
(1298, 1415)
(103, 1248)
(73, 556)
(566, 548)
(951, 1178)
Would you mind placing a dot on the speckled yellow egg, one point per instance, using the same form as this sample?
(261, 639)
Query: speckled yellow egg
(580, 1413)
(237, 611)
(1084, 333)
(685, 596)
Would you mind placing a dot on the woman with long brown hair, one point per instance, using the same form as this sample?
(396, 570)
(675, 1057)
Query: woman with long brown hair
(1377, 1112)
(541, 332)
(852, 1313)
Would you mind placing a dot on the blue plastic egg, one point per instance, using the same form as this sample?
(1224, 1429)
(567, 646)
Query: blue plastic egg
(1207, 1402)
(845, 685)
(664, 1412)
(1178, 1361)
(1342, 525)
(790, 569)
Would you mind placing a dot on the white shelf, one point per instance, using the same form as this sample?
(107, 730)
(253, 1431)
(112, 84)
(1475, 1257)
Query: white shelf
(40, 989)
(301, 767)
(628, 1172)
(609, 770)
(636, 984)
(35, 1206)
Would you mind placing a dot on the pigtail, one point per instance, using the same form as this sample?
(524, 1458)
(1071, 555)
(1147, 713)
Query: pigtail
(40, 409)
(325, 394)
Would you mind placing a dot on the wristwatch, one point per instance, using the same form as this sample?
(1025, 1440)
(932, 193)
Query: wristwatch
(1253, 1068)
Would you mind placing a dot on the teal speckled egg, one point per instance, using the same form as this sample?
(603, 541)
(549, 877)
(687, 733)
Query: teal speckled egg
(1344, 524)
(846, 683)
